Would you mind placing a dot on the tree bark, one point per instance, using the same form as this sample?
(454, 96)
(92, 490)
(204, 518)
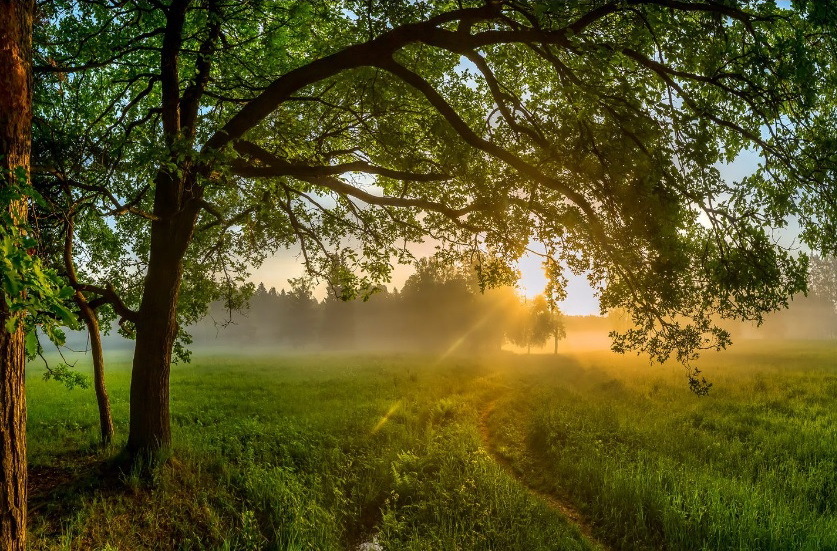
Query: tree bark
(92, 323)
(15, 145)
(12, 439)
(156, 327)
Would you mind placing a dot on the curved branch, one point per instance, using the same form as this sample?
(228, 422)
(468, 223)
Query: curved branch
(107, 295)
(276, 166)
(338, 186)
(352, 57)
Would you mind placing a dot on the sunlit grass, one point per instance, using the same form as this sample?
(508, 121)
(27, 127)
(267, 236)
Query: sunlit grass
(306, 452)
(751, 466)
(325, 451)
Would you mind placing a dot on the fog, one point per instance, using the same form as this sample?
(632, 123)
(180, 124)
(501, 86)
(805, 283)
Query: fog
(445, 313)
(440, 310)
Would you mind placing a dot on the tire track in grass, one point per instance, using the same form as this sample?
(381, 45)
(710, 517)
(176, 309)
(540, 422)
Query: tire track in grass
(553, 502)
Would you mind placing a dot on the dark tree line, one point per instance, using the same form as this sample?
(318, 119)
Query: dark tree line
(439, 309)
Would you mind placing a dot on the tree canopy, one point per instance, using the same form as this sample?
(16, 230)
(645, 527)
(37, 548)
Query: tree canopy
(204, 135)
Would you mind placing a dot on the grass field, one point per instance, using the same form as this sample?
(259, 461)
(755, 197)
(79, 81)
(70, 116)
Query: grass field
(327, 452)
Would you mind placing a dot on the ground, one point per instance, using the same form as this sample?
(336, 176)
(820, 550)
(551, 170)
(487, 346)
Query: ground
(577, 451)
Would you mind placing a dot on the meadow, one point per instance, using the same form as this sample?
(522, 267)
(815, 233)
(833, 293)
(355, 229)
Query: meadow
(404, 452)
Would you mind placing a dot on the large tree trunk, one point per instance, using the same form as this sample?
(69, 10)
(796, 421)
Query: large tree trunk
(150, 430)
(13, 436)
(15, 144)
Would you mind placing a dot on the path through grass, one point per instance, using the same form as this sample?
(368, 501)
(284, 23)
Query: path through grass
(306, 452)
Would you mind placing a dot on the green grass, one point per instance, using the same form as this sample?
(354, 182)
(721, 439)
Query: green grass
(751, 466)
(305, 452)
(323, 451)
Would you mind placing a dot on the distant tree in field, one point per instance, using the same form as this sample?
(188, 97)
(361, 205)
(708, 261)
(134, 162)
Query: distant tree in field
(212, 132)
(823, 278)
(559, 330)
(535, 323)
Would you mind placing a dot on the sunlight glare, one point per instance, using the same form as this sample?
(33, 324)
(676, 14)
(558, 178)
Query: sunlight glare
(386, 417)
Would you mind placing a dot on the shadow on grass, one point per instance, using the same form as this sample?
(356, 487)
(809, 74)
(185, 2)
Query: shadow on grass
(57, 492)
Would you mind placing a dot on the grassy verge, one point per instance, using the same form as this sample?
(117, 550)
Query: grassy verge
(307, 452)
(751, 466)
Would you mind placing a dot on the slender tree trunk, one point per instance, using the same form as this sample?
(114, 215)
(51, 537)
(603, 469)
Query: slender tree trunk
(555, 339)
(92, 323)
(15, 144)
(93, 330)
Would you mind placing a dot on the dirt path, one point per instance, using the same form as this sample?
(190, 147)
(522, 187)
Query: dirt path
(566, 509)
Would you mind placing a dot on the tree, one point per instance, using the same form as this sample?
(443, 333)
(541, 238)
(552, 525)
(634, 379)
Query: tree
(87, 312)
(559, 331)
(30, 295)
(215, 132)
(15, 142)
(535, 322)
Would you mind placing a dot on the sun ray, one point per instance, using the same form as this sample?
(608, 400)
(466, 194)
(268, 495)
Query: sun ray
(386, 417)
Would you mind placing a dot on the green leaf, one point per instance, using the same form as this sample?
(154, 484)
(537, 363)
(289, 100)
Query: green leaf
(32, 344)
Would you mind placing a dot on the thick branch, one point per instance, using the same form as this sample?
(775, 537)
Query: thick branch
(276, 166)
(169, 76)
(359, 55)
(190, 102)
(341, 187)
(108, 295)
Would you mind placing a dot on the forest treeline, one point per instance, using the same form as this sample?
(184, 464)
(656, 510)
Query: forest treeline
(440, 307)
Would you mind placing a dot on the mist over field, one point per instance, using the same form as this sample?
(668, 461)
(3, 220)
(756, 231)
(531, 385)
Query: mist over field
(445, 319)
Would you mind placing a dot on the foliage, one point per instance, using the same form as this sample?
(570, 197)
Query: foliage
(63, 374)
(535, 323)
(351, 129)
(35, 296)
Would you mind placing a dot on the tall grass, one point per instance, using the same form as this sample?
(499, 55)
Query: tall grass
(751, 466)
(293, 453)
(326, 452)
